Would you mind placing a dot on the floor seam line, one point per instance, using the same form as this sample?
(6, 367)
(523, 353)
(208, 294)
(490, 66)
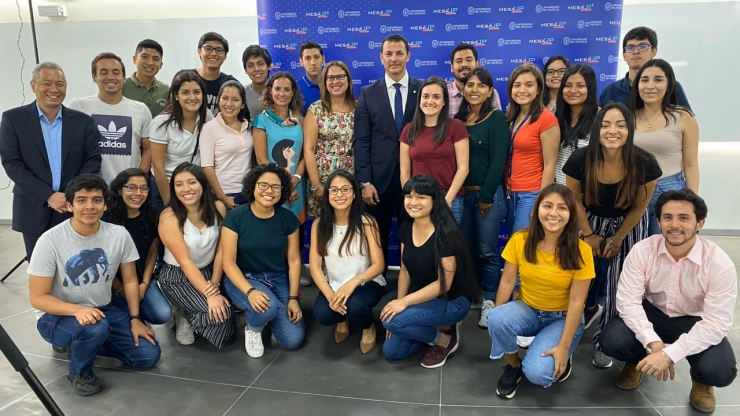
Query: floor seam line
(344, 397)
(29, 393)
(17, 314)
(441, 371)
(252, 383)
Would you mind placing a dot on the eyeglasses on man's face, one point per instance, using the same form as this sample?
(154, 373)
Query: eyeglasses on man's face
(643, 47)
(208, 49)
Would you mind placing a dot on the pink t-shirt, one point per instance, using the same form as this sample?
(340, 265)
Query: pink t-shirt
(228, 151)
(439, 161)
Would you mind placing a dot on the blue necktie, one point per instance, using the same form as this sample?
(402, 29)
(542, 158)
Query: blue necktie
(398, 108)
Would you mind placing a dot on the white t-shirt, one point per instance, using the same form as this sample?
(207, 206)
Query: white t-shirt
(180, 143)
(121, 128)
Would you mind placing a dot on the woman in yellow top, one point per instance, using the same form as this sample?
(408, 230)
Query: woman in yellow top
(556, 269)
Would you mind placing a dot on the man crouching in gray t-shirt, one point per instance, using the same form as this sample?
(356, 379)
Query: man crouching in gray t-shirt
(71, 272)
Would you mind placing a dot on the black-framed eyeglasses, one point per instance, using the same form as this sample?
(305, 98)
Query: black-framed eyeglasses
(345, 190)
(210, 49)
(133, 188)
(560, 71)
(263, 186)
(339, 77)
(643, 47)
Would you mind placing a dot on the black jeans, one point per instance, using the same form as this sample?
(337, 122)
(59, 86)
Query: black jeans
(359, 307)
(715, 366)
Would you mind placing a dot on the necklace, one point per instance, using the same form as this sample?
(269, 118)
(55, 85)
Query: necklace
(650, 123)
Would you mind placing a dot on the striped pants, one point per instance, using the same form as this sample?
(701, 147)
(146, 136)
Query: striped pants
(607, 227)
(193, 305)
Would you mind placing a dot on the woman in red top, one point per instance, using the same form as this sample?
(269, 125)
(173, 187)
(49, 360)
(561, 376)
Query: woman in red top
(436, 145)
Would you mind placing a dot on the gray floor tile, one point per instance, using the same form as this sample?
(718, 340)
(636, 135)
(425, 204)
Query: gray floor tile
(260, 402)
(127, 393)
(547, 411)
(12, 384)
(721, 410)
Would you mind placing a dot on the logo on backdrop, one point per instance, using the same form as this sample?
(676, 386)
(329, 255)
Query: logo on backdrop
(546, 9)
(586, 8)
(390, 29)
(381, 13)
(479, 10)
(451, 11)
(348, 13)
(514, 9)
(612, 6)
(443, 43)
(520, 26)
(117, 132)
(417, 12)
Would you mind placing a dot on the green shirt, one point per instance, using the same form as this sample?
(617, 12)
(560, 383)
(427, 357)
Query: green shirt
(489, 141)
(155, 98)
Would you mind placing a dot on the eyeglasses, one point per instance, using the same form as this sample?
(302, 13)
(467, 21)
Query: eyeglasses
(263, 186)
(133, 188)
(552, 72)
(643, 47)
(345, 190)
(340, 77)
(210, 49)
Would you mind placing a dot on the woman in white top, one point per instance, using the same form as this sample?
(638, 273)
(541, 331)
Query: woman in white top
(226, 145)
(175, 133)
(347, 240)
(665, 129)
(192, 272)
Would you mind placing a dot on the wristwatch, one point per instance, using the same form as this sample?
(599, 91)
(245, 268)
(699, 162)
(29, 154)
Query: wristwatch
(365, 185)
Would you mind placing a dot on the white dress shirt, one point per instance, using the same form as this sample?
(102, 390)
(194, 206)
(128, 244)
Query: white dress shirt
(392, 91)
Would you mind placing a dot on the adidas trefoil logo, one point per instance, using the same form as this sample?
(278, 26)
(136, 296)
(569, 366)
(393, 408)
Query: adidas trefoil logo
(111, 133)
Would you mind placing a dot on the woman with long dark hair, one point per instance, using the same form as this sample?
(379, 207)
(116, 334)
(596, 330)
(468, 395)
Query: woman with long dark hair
(436, 145)
(556, 269)
(613, 180)
(262, 260)
(348, 242)
(436, 284)
(554, 70)
(192, 270)
(226, 145)
(175, 133)
(666, 129)
(131, 205)
(577, 106)
(484, 195)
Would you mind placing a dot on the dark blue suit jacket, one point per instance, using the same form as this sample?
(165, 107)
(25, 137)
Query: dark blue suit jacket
(376, 143)
(26, 162)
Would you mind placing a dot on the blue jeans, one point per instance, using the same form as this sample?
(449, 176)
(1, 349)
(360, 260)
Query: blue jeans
(110, 337)
(481, 235)
(457, 208)
(154, 308)
(360, 306)
(275, 286)
(673, 182)
(417, 325)
(154, 192)
(516, 318)
(238, 198)
(597, 289)
(519, 210)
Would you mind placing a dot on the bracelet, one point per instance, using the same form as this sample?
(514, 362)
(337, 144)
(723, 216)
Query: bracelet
(314, 188)
(294, 298)
(145, 283)
(134, 317)
(295, 175)
(248, 292)
(587, 236)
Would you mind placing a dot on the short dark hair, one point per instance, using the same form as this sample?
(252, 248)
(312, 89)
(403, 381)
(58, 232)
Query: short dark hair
(700, 207)
(215, 37)
(463, 47)
(88, 182)
(106, 55)
(395, 38)
(639, 33)
(250, 182)
(149, 44)
(256, 51)
(309, 44)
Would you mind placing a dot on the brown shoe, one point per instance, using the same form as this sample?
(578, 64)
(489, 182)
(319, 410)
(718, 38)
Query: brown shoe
(702, 397)
(341, 333)
(368, 345)
(630, 377)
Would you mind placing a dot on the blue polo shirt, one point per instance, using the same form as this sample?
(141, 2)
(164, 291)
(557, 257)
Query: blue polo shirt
(52, 132)
(311, 93)
(619, 92)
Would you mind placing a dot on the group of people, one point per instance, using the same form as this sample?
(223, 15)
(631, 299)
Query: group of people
(211, 182)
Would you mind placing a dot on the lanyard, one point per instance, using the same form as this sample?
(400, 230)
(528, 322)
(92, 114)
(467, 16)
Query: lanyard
(510, 153)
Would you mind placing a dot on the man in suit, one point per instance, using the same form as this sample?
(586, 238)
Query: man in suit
(43, 146)
(383, 108)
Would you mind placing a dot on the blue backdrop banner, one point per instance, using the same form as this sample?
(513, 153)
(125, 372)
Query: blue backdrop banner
(505, 33)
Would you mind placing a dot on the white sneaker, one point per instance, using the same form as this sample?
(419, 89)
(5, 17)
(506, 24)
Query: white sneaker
(524, 342)
(253, 343)
(486, 307)
(305, 276)
(184, 332)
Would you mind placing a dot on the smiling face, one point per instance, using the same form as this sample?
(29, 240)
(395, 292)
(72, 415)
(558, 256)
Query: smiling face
(614, 131)
(148, 62)
(267, 197)
(312, 61)
(187, 189)
(50, 88)
(554, 74)
(678, 223)
(575, 90)
(257, 69)
(109, 76)
(462, 63)
(418, 205)
(342, 199)
(134, 199)
(653, 85)
(282, 92)
(88, 206)
(432, 100)
(230, 102)
(190, 96)
(394, 58)
(476, 92)
(212, 54)
(553, 213)
(334, 85)
(524, 89)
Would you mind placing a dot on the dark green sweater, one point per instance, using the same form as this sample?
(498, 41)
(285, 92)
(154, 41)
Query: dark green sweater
(489, 141)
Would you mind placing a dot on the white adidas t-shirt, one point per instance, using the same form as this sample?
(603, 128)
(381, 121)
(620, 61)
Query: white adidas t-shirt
(121, 128)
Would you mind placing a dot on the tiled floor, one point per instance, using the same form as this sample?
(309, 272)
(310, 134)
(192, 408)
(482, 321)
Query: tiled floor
(322, 377)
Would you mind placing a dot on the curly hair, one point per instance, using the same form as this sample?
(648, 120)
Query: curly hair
(296, 103)
(250, 182)
(117, 211)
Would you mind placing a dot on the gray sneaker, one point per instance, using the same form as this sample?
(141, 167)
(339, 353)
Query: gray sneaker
(486, 307)
(85, 384)
(601, 360)
(305, 276)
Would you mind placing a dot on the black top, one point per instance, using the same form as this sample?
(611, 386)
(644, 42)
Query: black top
(419, 261)
(575, 167)
(135, 228)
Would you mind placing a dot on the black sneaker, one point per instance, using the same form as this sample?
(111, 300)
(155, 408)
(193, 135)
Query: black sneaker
(506, 387)
(568, 369)
(85, 384)
(58, 350)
